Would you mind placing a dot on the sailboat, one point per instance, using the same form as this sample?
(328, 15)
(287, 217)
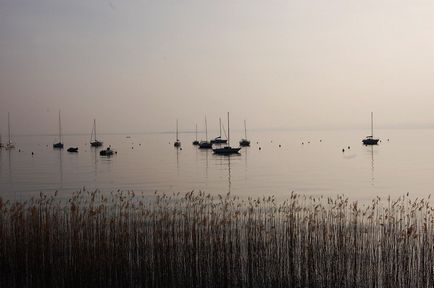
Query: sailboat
(59, 145)
(9, 145)
(219, 140)
(205, 144)
(244, 142)
(195, 142)
(227, 150)
(93, 141)
(370, 140)
(177, 142)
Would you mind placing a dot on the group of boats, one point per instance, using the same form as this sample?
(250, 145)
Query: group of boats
(215, 143)
(94, 142)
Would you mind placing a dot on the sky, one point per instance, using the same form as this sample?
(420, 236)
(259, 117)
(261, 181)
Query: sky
(138, 65)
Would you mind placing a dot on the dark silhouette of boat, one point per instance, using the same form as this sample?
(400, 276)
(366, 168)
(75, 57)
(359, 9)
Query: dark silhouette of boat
(370, 140)
(205, 144)
(177, 142)
(106, 152)
(244, 142)
(195, 142)
(72, 149)
(59, 145)
(227, 150)
(93, 141)
(219, 140)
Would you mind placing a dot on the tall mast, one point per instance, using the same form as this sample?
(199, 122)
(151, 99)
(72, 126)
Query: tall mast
(177, 130)
(196, 131)
(372, 124)
(220, 123)
(228, 132)
(9, 130)
(60, 129)
(206, 130)
(245, 130)
(94, 127)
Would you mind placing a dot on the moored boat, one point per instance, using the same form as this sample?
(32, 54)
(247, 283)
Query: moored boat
(227, 150)
(370, 140)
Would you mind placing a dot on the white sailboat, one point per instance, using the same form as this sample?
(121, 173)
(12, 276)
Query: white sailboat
(9, 145)
(227, 150)
(93, 141)
(59, 145)
(177, 142)
(244, 142)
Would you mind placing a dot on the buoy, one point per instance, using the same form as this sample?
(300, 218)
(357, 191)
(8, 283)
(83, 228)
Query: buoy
(348, 147)
(308, 142)
(280, 145)
(343, 150)
(33, 153)
(180, 148)
(320, 140)
(302, 143)
(259, 148)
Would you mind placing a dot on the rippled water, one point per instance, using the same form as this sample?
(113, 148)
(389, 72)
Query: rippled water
(149, 162)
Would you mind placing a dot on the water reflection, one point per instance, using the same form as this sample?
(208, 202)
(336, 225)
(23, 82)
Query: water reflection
(372, 166)
(60, 167)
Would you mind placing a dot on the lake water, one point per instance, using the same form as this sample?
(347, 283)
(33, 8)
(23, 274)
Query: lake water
(149, 162)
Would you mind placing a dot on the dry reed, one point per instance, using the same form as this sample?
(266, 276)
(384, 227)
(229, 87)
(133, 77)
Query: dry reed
(197, 240)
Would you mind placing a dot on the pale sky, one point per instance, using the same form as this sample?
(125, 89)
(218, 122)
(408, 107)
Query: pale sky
(137, 65)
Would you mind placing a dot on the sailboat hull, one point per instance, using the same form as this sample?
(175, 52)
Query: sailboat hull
(370, 141)
(58, 145)
(244, 143)
(96, 144)
(226, 150)
(205, 145)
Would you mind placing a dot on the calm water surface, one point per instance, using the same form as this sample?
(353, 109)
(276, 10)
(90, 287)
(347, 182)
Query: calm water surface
(146, 163)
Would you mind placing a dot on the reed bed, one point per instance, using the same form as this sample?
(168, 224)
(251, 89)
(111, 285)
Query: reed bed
(197, 240)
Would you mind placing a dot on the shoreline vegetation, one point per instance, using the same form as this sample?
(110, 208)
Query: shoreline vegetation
(198, 240)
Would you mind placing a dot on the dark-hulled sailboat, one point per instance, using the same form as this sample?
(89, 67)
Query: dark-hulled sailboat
(227, 150)
(93, 141)
(244, 142)
(370, 140)
(59, 145)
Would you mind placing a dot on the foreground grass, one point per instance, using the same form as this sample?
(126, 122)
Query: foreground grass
(196, 240)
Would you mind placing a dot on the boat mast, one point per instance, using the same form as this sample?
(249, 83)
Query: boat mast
(177, 130)
(220, 122)
(372, 124)
(60, 129)
(206, 130)
(9, 130)
(196, 131)
(245, 130)
(94, 127)
(229, 144)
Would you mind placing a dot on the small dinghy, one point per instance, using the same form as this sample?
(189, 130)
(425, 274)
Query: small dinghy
(72, 149)
(106, 152)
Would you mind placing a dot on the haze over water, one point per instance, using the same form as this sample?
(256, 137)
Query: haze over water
(147, 162)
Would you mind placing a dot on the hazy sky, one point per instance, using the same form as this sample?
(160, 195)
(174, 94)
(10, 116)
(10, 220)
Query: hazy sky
(138, 65)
